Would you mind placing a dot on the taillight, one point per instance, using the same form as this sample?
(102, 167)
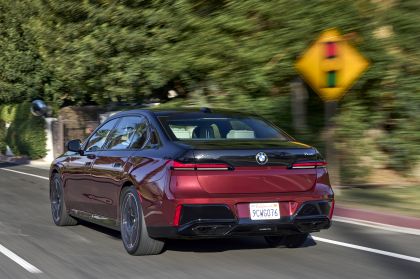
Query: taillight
(309, 165)
(199, 166)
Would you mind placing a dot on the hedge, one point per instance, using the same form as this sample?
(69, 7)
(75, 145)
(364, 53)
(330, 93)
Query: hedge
(26, 135)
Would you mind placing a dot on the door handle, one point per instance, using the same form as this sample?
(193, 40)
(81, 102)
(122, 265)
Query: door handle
(117, 165)
(91, 156)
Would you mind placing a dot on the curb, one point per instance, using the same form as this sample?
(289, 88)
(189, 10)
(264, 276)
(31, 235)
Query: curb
(39, 164)
(374, 225)
(14, 160)
(377, 217)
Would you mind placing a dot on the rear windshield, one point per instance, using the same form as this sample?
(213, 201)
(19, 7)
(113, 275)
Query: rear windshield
(220, 128)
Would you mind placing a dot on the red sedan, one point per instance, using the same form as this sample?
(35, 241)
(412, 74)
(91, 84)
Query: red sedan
(155, 175)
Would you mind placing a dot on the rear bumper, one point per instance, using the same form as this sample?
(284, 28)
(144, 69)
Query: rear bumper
(229, 226)
(222, 228)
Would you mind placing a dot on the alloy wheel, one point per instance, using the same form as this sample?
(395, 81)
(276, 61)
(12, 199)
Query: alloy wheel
(56, 200)
(130, 221)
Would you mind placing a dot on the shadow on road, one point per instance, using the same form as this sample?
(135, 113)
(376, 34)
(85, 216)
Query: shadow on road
(110, 232)
(220, 245)
(8, 164)
(201, 245)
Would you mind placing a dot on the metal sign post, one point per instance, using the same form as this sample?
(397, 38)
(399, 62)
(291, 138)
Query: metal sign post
(330, 109)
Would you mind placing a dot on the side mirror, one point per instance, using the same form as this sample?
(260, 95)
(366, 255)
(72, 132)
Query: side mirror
(75, 146)
(39, 108)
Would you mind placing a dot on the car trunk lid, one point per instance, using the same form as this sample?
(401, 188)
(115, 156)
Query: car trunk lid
(253, 166)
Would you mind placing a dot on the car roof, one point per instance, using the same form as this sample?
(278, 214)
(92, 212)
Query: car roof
(196, 112)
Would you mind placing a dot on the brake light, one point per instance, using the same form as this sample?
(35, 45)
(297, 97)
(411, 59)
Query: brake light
(309, 165)
(199, 166)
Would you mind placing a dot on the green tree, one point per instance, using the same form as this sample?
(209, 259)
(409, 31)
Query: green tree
(22, 74)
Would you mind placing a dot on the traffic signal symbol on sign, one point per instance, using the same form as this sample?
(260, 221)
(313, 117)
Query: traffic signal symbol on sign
(331, 65)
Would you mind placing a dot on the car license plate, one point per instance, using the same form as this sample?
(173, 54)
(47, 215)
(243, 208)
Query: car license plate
(264, 211)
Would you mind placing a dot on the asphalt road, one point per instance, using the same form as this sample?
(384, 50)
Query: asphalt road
(31, 246)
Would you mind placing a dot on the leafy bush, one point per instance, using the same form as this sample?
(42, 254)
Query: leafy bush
(26, 134)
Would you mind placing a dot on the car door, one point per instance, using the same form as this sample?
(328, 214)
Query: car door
(111, 167)
(78, 171)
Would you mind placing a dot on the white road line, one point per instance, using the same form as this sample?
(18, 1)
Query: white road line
(375, 225)
(19, 260)
(30, 174)
(367, 249)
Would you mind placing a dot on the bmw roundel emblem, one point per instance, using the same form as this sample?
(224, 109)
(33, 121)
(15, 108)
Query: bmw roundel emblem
(261, 158)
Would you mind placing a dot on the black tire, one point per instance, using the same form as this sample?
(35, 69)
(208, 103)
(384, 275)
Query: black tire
(295, 240)
(274, 241)
(134, 235)
(58, 206)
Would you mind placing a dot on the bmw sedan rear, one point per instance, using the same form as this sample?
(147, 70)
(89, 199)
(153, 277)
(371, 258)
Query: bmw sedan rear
(198, 174)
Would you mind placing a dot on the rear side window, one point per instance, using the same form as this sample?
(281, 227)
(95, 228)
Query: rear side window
(97, 140)
(141, 135)
(131, 132)
(220, 128)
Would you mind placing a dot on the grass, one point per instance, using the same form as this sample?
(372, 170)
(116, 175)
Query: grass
(404, 200)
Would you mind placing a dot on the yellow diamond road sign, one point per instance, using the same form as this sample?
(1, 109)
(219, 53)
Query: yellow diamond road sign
(331, 65)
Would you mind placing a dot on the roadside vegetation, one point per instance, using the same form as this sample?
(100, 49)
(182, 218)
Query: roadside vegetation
(26, 133)
(230, 54)
(403, 199)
